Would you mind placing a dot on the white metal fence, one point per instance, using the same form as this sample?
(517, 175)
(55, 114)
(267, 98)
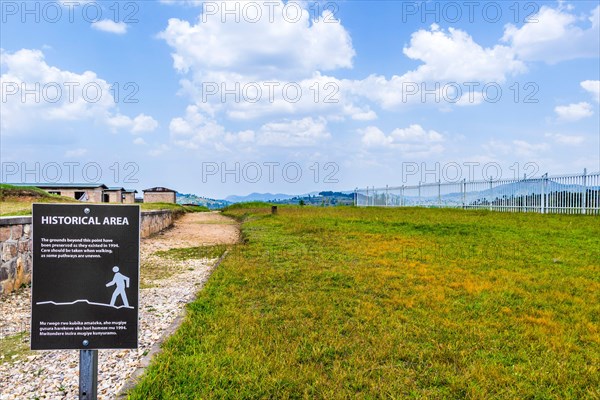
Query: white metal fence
(565, 194)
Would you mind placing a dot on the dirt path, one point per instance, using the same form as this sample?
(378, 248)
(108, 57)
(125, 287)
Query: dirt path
(194, 229)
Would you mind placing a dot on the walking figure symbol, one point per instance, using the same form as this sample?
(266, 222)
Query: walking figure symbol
(121, 281)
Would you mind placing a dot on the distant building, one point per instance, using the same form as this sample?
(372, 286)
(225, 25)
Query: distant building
(92, 192)
(159, 195)
(89, 192)
(113, 195)
(129, 196)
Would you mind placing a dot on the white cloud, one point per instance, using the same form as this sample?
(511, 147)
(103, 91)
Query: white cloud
(141, 123)
(569, 140)
(526, 149)
(75, 153)
(455, 56)
(574, 112)
(593, 87)
(195, 129)
(450, 60)
(110, 26)
(35, 93)
(274, 54)
(555, 36)
(270, 48)
(159, 150)
(139, 141)
(294, 133)
(413, 140)
(193, 3)
(519, 148)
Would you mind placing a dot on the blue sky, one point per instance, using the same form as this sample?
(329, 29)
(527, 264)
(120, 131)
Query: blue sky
(221, 98)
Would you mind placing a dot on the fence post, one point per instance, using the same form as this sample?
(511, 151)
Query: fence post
(420, 203)
(464, 193)
(355, 197)
(584, 199)
(543, 199)
(402, 196)
(439, 192)
(386, 196)
(491, 187)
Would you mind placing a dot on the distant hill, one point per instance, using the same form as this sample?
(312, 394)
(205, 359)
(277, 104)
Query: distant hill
(259, 197)
(213, 204)
(325, 198)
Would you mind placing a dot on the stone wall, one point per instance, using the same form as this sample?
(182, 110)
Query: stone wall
(16, 245)
(155, 221)
(15, 259)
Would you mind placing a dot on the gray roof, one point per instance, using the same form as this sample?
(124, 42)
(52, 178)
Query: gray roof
(114, 189)
(63, 185)
(159, 189)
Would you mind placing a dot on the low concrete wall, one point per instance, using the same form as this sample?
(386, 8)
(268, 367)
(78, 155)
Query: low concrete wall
(16, 245)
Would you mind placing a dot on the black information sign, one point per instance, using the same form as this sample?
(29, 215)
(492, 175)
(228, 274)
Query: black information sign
(85, 276)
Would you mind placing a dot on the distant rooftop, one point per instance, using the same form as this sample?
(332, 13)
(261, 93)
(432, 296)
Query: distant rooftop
(159, 189)
(63, 185)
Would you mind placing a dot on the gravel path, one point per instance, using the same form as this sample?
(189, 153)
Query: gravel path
(54, 374)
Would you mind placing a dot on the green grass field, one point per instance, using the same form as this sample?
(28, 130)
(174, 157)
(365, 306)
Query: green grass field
(339, 303)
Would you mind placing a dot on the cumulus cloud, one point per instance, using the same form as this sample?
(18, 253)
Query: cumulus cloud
(555, 36)
(140, 124)
(455, 56)
(525, 149)
(574, 112)
(192, 3)
(271, 47)
(273, 65)
(450, 59)
(593, 87)
(195, 129)
(76, 153)
(294, 133)
(520, 148)
(34, 92)
(110, 26)
(414, 140)
(569, 140)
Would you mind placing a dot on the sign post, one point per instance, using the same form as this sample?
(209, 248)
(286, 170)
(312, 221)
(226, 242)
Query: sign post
(88, 374)
(85, 282)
